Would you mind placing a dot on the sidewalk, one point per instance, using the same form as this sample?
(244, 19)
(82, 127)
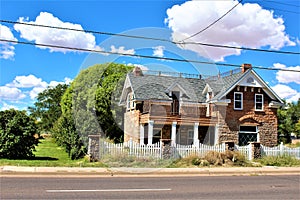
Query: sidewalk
(89, 171)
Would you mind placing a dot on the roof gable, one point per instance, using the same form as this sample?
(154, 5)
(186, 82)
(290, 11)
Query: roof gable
(250, 79)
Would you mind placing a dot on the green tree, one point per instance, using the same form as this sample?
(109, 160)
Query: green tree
(109, 113)
(89, 107)
(47, 107)
(17, 131)
(288, 121)
(64, 129)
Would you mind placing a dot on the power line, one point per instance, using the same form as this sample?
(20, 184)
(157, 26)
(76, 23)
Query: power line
(287, 4)
(241, 48)
(148, 38)
(282, 10)
(138, 55)
(213, 22)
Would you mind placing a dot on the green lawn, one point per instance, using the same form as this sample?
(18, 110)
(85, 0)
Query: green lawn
(49, 154)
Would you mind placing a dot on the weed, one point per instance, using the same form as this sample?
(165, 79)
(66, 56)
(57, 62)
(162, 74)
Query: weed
(280, 161)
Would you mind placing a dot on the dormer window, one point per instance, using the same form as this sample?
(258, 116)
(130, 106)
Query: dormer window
(238, 101)
(259, 102)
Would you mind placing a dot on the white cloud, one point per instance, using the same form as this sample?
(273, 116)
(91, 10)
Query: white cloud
(55, 83)
(287, 76)
(286, 92)
(40, 88)
(31, 81)
(158, 51)
(121, 50)
(11, 93)
(6, 106)
(7, 50)
(27, 82)
(35, 91)
(248, 25)
(54, 36)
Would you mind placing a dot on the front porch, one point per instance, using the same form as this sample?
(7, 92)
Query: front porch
(178, 133)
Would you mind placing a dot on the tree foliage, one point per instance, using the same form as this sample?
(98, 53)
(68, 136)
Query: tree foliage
(289, 121)
(88, 109)
(109, 113)
(17, 131)
(47, 106)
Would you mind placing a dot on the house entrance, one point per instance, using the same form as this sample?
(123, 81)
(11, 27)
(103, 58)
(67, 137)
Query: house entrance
(206, 135)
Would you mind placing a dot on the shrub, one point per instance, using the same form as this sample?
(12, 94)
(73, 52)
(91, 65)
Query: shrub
(17, 134)
(227, 157)
(214, 158)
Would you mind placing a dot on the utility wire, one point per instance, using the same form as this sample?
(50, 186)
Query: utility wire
(241, 48)
(287, 4)
(138, 55)
(281, 10)
(147, 38)
(210, 25)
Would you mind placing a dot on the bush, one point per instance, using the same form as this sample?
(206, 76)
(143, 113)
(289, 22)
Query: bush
(227, 158)
(17, 134)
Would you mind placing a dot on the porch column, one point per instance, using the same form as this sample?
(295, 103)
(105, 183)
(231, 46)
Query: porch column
(216, 134)
(150, 131)
(142, 134)
(196, 139)
(173, 134)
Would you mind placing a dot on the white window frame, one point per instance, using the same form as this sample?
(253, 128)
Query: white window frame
(250, 132)
(262, 102)
(130, 101)
(235, 108)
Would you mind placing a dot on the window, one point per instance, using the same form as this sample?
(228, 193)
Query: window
(130, 102)
(190, 137)
(259, 102)
(247, 134)
(175, 102)
(238, 101)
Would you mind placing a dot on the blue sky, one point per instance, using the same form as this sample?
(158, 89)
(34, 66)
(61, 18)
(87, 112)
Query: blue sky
(27, 70)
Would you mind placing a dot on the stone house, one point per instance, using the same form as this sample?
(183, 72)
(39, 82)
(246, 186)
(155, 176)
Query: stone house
(234, 107)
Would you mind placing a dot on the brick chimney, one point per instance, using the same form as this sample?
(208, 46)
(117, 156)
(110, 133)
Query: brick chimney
(137, 71)
(245, 67)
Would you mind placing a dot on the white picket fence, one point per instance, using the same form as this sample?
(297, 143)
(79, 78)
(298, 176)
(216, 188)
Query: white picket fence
(182, 151)
(280, 150)
(131, 148)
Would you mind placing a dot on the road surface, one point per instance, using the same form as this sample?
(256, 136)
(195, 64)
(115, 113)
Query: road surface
(203, 187)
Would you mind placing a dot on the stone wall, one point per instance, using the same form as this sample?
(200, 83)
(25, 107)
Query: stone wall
(132, 125)
(94, 147)
(230, 120)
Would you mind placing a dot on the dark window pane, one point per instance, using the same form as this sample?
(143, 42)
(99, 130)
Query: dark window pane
(258, 98)
(238, 96)
(248, 128)
(238, 104)
(258, 106)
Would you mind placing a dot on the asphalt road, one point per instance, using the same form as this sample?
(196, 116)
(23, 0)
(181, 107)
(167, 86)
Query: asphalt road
(203, 187)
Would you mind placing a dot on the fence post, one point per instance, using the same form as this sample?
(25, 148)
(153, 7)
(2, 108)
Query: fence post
(281, 148)
(94, 147)
(130, 146)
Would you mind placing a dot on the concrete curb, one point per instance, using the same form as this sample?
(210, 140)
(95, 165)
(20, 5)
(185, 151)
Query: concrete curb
(90, 171)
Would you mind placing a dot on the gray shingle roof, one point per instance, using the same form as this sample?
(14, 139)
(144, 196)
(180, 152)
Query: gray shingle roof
(152, 87)
(224, 84)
